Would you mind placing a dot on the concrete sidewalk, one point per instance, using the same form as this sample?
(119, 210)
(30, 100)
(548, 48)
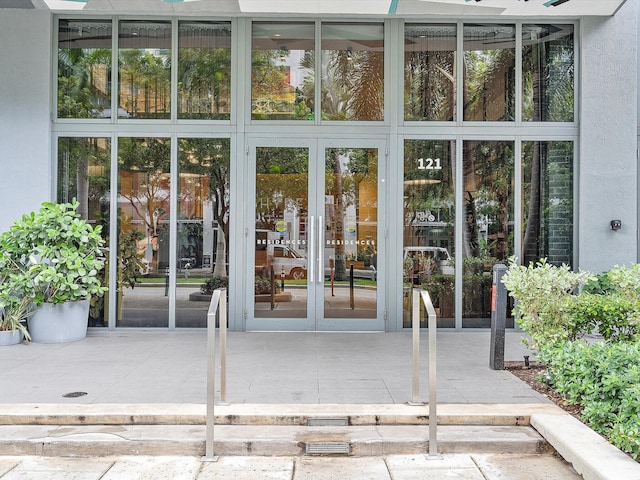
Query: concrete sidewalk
(170, 367)
(130, 390)
(392, 467)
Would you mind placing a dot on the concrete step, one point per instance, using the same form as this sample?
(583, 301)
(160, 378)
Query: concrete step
(265, 440)
(271, 414)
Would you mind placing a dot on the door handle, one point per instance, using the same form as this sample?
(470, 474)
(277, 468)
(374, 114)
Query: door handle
(320, 251)
(310, 251)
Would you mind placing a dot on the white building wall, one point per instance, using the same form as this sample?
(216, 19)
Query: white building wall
(607, 169)
(25, 99)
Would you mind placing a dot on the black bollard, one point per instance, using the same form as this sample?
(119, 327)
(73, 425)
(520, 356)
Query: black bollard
(498, 318)
(352, 302)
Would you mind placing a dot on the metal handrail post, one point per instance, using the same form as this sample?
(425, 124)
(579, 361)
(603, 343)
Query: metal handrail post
(223, 346)
(433, 381)
(415, 330)
(211, 374)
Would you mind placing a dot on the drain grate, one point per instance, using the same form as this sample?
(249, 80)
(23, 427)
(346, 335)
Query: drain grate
(328, 422)
(326, 448)
(74, 394)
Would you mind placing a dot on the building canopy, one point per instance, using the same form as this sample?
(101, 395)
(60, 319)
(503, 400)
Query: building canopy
(450, 8)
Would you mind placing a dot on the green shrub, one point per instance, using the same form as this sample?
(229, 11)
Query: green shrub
(613, 316)
(62, 253)
(541, 292)
(214, 283)
(600, 284)
(604, 378)
(626, 280)
(263, 286)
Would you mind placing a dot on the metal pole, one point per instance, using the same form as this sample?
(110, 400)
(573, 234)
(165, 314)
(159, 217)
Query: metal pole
(498, 318)
(415, 330)
(272, 278)
(223, 345)
(351, 295)
(211, 376)
(433, 382)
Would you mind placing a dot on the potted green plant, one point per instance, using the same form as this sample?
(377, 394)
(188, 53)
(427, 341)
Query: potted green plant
(14, 310)
(61, 254)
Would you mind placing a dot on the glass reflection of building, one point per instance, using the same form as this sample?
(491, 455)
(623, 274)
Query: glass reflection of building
(164, 161)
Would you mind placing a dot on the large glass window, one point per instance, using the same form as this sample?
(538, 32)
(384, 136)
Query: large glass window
(203, 226)
(488, 170)
(281, 231)
(547, 73)
(83, 175)
(282, 71)
(429, 226)
(352, 71)
(204, 70)
(547, 199)
(310, 72)
(489, 73)
(143, 232)
(351, 232)
(429, 72)
(144, 60)
(84, 68)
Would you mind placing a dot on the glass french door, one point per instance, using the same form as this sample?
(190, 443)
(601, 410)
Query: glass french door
(315, 236)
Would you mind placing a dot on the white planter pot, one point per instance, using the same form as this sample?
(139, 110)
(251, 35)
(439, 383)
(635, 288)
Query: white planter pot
(59, 323)
(11, 337)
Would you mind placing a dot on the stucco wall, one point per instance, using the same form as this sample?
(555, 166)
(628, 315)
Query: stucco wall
(25, 144)
(607, 168)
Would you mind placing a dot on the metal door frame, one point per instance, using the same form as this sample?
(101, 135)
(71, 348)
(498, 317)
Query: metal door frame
(315, 320)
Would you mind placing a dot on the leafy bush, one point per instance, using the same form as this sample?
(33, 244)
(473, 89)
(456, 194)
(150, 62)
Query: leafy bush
(214, 283)
(613, 316)
(63, 253)
(263, 286)
(626, 280)
(604, 378)
(600, 284)
(542, 292)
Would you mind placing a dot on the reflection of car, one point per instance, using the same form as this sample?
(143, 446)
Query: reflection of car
(440, 256)
(284, 259)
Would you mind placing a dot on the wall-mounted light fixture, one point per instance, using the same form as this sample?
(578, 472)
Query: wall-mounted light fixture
(283, 52)
(349, 53)
(616, 225)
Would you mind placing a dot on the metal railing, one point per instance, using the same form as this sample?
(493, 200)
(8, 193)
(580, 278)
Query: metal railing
(218, 304)
(421, 297)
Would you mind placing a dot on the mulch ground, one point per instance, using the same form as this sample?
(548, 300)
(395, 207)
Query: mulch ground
(530, 376)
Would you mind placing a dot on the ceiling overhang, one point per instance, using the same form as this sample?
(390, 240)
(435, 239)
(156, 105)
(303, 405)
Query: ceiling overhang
(449, 8)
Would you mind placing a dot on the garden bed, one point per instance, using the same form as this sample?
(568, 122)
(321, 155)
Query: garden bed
(530, 375)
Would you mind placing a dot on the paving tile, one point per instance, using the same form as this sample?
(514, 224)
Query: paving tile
(423, 467)
(525, 467)
(7, 464)
(248, 468)
(55, 468)
(332, 468)
(154, 468)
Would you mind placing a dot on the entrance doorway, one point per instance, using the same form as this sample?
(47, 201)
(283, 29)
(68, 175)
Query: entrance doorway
(315, 238)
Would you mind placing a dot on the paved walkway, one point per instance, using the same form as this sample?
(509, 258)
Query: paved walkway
(394, 467)
(170, 367)
(135, 368)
